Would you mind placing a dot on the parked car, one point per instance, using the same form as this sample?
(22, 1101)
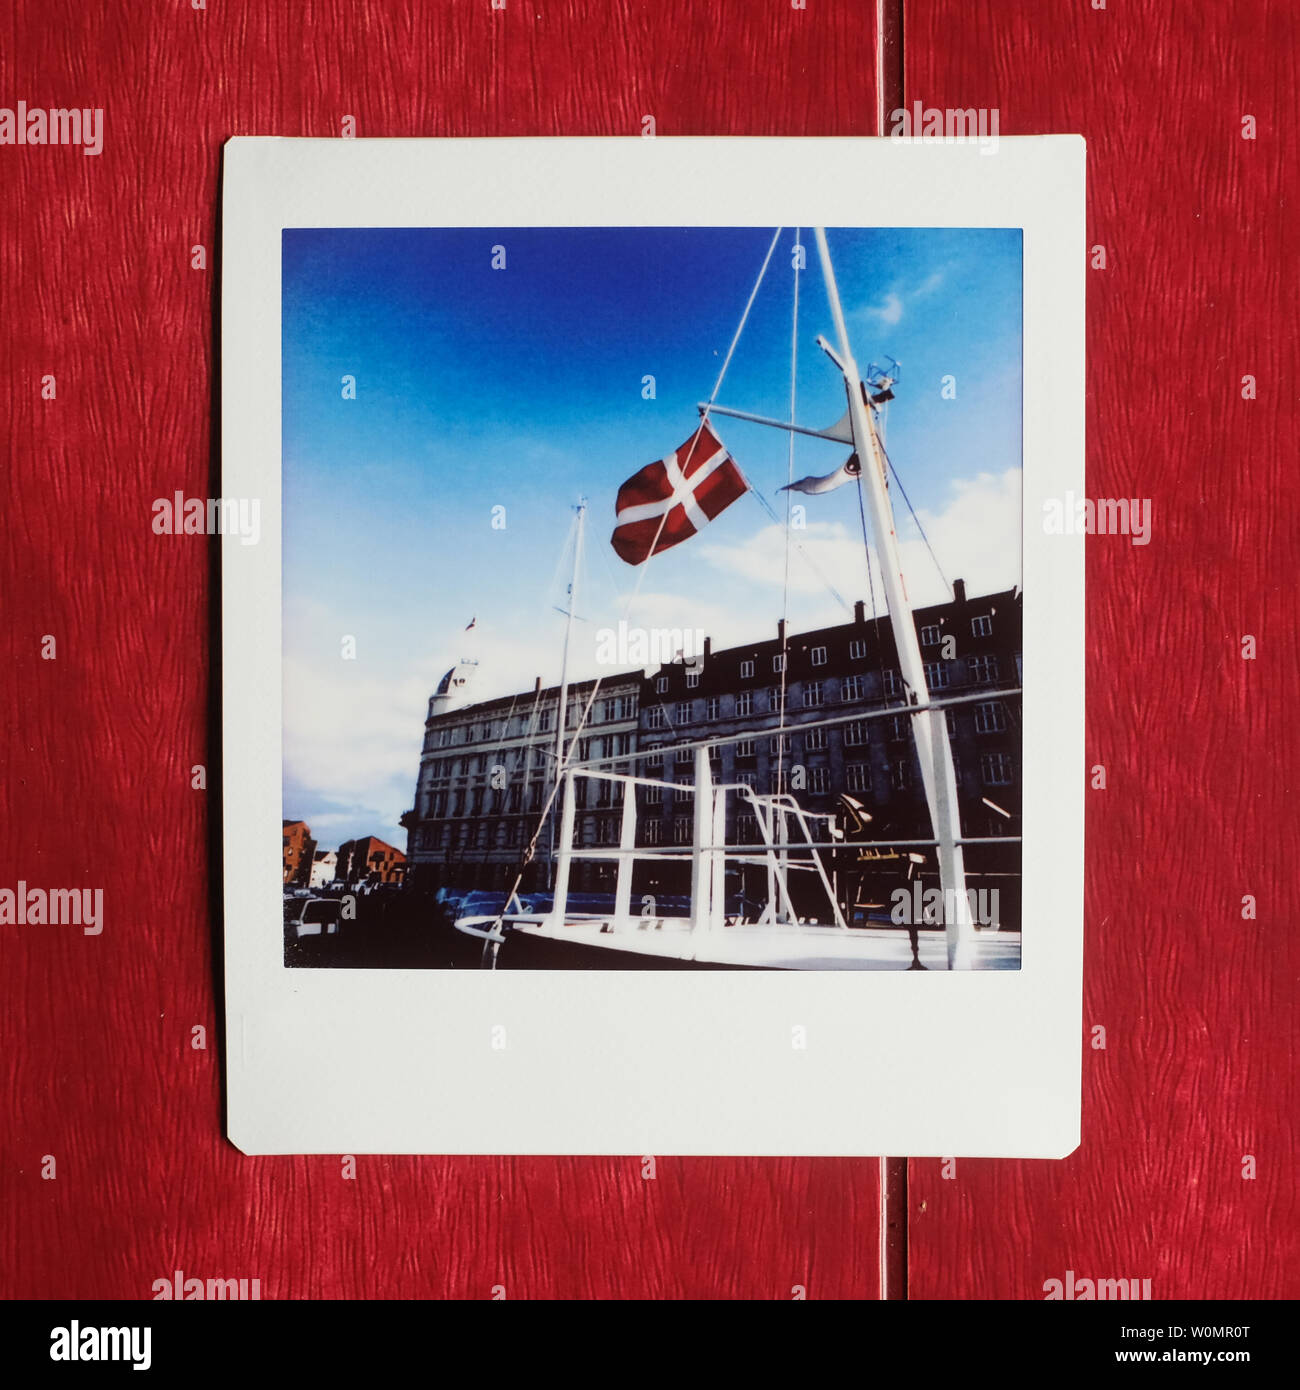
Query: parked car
(311, 917)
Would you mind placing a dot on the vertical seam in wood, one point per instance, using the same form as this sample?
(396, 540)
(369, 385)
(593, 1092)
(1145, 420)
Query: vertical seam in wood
(889, 61)
(893, 1205)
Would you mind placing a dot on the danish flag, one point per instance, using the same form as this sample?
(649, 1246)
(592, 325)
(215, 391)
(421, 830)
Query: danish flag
(669, 501)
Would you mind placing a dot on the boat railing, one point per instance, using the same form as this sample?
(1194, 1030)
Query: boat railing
(787, 842)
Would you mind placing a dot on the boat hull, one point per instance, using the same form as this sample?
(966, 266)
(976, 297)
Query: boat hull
(538, 942)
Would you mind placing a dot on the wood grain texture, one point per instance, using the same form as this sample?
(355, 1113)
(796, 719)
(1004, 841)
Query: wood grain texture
(96, 288)
(1199, 1006)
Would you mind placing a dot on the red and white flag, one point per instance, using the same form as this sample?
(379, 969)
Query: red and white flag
(669, 501)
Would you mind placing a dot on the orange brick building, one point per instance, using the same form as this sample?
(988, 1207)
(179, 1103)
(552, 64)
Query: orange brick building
(299, 851)
(369, 860)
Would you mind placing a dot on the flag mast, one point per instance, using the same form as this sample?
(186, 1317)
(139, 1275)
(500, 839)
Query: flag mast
(561, 718)
(929, 726)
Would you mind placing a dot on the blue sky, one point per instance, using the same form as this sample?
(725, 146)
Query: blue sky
(522, 387)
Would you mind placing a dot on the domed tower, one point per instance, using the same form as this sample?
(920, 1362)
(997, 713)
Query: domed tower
(453, 688)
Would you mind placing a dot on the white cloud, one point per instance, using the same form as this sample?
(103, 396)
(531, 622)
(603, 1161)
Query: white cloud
(889, 311)
(976, 538)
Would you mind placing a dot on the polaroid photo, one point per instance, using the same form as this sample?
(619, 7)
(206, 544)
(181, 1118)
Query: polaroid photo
(654, 657)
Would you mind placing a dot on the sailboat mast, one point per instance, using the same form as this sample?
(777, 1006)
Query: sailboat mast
(561, 717)
(930, 726)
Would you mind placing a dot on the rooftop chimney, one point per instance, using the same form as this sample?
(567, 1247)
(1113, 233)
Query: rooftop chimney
(780, 629)
(708, 647)
(959, 590)
(859, 612)
(537, 685)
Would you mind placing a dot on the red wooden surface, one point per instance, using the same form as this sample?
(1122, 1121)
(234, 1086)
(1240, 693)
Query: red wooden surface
(96, 288)
(1199, 1006)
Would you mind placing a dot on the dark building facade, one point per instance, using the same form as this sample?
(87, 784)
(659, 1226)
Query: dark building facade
(487, 771)
(487, 768)
(771, 690)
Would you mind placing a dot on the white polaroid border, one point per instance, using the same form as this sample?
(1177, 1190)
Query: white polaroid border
(664, 1062)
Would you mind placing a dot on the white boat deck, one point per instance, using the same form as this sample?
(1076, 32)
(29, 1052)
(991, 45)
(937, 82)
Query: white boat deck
(810, 946)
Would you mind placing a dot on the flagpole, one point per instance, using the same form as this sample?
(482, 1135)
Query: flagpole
(930, 726)
(561, 718)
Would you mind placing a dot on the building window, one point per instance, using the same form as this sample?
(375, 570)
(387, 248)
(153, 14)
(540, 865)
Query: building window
(604, 792)
(656, 759)
(853, 688)
(444, 737)
(855, 735)
(857, 650)
(684, 756)
(812, 693)
(902, 775)
(746, 670)
(606, 833)
(780, 779)
(819, 656)
(654, 717)
(936, 675)
(744, 704)
(654, 795)
(893, 683)
(778, 663)
(745, 748)
(746, 830)
(776, 699)
(692, 679)
(544, 720)
(997, 769)
(818, 780)
(661, 684)
(747, 779)
(984, 669)
(981, 626)
(653, 829)
(815, 740)
(858, 777)
(619, 745)
(899, 728)
(681, 791)
(681, 831)
(513, 800)
(930, 636)
(713, 707)
(682, 714)
(991, 718)
(781, 744)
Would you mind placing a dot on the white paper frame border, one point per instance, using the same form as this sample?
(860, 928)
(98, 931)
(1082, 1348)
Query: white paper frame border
(655, 1062)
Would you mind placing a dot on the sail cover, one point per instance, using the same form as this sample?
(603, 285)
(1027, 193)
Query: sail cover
(669, 501)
